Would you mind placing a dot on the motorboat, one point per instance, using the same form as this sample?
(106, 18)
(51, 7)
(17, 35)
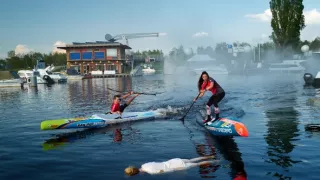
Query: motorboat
(56, 77)
(288, 66)
(27, 74)
(200, 62)
(10, 79)
(310, 80)
(221, 69)
(147, 69)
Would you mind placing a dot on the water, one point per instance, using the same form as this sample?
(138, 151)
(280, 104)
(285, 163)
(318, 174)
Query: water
(274, 110)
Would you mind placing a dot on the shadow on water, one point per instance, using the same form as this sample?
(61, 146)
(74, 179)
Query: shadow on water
(282, 130)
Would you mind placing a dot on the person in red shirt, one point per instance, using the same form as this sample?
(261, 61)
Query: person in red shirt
(118, 108)
(206, 83)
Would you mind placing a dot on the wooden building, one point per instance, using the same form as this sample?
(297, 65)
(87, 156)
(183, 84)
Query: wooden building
(98, 57)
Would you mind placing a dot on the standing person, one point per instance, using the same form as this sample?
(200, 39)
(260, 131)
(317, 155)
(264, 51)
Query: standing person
(171, 165)
(206, 83)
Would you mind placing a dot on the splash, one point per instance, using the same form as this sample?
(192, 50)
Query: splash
(170, 111)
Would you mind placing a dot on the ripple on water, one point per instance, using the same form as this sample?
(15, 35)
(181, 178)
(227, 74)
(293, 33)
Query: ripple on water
(274, 111)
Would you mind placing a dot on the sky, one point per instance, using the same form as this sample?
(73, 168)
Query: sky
(40, 26)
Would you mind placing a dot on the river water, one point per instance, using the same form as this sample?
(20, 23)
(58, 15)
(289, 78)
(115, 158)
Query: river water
(274, 109)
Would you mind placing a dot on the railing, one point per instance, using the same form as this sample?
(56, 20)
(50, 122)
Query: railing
(137, 71)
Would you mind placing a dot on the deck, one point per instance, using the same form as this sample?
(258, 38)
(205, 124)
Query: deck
(110, 75)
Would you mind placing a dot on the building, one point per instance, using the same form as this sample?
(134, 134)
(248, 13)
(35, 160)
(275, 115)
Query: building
(100, 56)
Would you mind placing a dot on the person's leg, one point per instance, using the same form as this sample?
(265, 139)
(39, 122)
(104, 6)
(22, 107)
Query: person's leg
(191, 164)
(200, 158)
(216, 99)
(208, 162)
(131, 99)
(208, 108)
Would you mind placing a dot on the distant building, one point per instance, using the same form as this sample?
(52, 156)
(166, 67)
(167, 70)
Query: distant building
(97, 56)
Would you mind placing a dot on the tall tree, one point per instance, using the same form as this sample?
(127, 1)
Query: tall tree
(287, 22)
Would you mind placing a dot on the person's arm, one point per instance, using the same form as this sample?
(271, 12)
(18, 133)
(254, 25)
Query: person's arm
(210, 86)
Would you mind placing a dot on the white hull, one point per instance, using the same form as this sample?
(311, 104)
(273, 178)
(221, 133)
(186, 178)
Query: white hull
(288, 66)
(74, 77)
(148, 71)
(27, 75)
(210, 71)
(11, 83)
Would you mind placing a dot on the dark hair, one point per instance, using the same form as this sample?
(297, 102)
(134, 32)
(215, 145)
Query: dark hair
(201, 80)
(116, 96)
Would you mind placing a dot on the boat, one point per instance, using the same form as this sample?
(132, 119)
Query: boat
(310, 80)
(288, 66)
(147, 69)
(224, 126)
(48, 74)
(10, 79)
(55, 76)
(11, 83)
(97, 120)
(27, 74)
(200, 62)
(221, 69)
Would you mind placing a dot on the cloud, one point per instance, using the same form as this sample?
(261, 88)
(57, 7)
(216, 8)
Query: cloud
(265, 16)
(200, 34)
(22, 49)
(56, 44)
(311, 16)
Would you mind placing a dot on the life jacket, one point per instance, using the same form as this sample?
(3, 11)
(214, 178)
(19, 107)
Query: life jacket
(115, 107)
(216, 87)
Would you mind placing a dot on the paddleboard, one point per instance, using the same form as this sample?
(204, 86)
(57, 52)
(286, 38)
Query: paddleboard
(224, 127)
(97, 120)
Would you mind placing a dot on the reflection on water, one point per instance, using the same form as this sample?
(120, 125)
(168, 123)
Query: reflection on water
(282, 130)
(117, 132)
(113, 148)
(223, 146)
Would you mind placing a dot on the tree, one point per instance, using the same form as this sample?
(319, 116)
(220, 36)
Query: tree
(315, 44)
(287, 22)
(11, 54)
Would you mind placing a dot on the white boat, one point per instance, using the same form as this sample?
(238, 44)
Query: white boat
(56, 77)
(212, 70)
(147, 69)
(27, 74)
(10, 79)
(11, 83)
(288, 66)
(199, 63)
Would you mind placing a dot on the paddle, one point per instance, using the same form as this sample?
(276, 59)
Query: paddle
(134, 92)
(182, 119)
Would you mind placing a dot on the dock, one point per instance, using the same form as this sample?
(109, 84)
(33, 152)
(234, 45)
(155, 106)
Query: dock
(108, 75)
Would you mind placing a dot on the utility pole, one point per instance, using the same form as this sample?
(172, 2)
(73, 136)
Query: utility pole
(259, 52)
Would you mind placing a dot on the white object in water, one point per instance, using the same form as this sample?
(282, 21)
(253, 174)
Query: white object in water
(287, 66)
(11, 83)
(27, 74)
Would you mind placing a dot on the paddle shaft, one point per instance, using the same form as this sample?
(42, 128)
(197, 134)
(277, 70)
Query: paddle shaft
(190, 107)
(135, 92)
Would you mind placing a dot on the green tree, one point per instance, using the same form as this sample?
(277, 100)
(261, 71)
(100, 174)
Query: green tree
(11, 54)
(315, 44)
(287, 22)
